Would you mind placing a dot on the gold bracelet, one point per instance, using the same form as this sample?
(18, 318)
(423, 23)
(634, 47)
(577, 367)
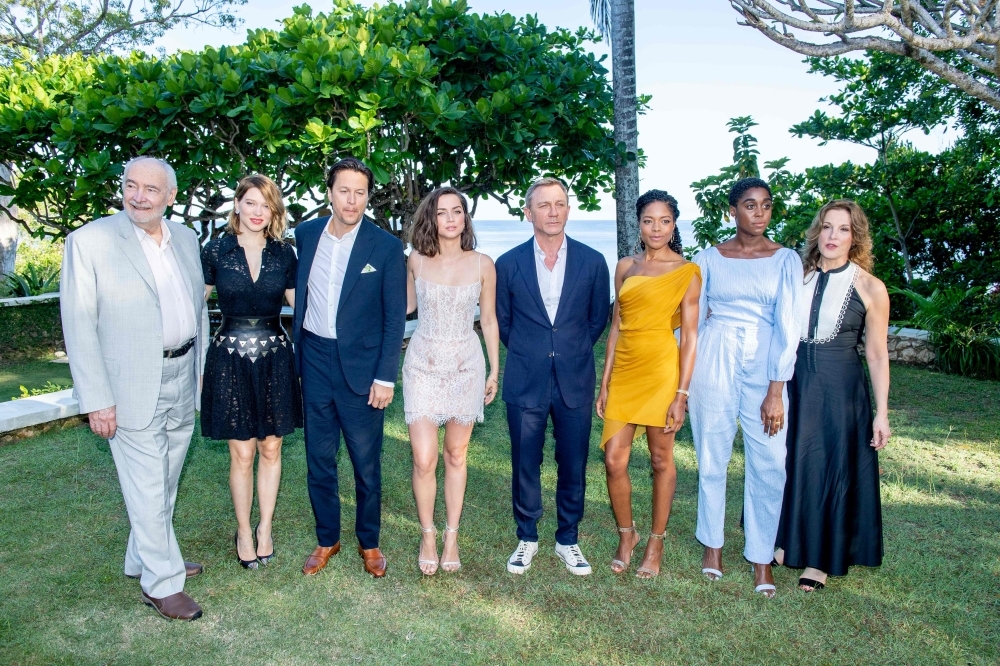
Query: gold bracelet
(686, 394)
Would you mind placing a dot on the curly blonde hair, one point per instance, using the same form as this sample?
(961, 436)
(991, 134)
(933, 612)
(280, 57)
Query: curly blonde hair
(861, 239)
(272, 196)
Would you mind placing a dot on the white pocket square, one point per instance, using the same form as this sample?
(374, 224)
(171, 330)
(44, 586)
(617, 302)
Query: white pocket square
(368, 269)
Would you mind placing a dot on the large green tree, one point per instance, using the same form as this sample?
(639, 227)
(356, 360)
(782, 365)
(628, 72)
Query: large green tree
(881, 98)
(427, 92)
(957, 40)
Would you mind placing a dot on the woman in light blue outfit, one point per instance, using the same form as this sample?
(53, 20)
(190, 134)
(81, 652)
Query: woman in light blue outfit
(747, 339)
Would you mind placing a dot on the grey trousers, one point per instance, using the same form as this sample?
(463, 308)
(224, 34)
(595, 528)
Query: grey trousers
(149, 463)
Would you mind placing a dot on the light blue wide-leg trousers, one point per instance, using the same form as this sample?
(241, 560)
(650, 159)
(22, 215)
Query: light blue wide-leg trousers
(728, 387)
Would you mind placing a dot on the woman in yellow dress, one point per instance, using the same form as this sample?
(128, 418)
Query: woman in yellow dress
(646, 376)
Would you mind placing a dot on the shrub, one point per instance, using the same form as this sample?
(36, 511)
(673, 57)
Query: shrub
(32, 281)
(964, 327)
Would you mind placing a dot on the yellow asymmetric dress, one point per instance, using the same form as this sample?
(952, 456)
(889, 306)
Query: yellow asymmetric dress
(646, 369)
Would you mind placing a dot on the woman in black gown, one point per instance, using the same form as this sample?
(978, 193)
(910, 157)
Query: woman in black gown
(831, 517)
(251, 395)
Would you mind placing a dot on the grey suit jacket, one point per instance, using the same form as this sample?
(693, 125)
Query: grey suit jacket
(111, 317)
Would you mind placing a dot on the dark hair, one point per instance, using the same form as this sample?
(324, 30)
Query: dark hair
(350, 164)
(741, 187)
(652, 196)
(424, 232)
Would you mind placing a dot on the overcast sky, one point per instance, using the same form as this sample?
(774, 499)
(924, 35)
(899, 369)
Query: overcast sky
(701, 69)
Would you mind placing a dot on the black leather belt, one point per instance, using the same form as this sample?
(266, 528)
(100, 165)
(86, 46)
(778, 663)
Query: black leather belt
(179, 351)
(251, 337)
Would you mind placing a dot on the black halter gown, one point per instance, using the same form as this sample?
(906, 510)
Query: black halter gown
(831, 517)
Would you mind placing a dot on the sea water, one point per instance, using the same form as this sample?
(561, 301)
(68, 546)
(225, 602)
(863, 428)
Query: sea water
(497, 236)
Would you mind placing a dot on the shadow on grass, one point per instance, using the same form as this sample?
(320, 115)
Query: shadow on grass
(63, 598)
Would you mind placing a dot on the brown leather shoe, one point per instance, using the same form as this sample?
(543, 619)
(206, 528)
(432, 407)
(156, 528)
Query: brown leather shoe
(192, 569)
(174, 607)
(319, 558)
(375, 563)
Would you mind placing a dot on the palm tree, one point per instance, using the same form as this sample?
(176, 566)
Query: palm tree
(617, 19)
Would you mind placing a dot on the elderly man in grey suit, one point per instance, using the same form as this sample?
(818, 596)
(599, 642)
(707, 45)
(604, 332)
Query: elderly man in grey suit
(135, 321)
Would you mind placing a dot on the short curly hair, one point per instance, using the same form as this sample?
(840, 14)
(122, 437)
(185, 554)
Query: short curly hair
(741, 187)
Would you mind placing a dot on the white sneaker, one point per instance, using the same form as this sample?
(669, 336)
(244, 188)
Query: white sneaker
(575, 562)
(520, 560)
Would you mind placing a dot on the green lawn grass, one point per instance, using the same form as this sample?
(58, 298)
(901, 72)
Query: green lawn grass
(32, 374)
(63, 598)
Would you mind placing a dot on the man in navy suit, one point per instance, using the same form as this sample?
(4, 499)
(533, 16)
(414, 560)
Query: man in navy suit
(553, 296)
(350, 311)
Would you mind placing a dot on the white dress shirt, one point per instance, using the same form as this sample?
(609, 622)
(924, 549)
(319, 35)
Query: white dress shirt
(176, 308)
(326, 280)
(550, 282)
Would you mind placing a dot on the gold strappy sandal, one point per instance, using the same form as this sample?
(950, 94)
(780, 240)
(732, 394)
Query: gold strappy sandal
(617, 566)
(643, 572)
(434, 562)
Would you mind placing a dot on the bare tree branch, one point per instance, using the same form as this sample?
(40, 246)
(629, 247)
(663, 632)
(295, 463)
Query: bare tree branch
(924, 30)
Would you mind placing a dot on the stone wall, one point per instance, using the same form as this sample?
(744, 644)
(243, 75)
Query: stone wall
(908, 345)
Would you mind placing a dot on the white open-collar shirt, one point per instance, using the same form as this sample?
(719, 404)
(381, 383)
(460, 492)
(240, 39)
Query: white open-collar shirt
(326, 281)
(550, 282)
(176, 308)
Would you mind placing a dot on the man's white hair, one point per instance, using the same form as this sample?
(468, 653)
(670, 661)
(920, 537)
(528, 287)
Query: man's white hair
(167, 169)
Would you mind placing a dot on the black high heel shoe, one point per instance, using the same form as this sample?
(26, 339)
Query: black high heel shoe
(246, 564)
(264, 559)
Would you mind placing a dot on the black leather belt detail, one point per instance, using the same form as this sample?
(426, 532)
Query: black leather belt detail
(251, 337)
(179, 351)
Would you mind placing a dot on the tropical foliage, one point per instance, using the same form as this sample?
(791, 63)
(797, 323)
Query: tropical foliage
(427, 92)
(964, 326)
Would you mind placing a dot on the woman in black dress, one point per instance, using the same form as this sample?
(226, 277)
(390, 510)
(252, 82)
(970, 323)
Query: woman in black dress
(831, 517)
(251, 395)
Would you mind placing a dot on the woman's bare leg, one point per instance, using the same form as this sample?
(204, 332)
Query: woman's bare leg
(241, 455)
(424, 443)
(456, 447)
(661, 459)
(268, 480)
(617, 451)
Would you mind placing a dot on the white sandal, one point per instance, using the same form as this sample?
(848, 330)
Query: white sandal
(420, 563)
(711, 574)
(763, 588)
(445, 565)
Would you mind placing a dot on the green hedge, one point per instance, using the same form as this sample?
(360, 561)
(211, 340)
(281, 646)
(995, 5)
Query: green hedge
(30, 330)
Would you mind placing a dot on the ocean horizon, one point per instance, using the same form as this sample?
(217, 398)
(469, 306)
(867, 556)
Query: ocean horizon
(495, 237)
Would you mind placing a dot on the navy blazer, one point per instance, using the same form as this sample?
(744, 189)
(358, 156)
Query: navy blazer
(371, 314)
(535, 346)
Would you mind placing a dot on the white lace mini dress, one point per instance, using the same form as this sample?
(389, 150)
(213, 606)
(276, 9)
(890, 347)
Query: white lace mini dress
(444, 372)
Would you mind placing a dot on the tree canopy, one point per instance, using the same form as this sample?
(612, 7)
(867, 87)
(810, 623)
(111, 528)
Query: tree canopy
(958, 40)
(40, 28)
(426, 92)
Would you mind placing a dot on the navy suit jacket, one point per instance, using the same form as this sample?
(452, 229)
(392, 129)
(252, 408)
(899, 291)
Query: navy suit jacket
(371, 314)
(535, 346)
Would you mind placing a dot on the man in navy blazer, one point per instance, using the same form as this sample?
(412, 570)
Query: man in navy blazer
(553, 296)
(350, 312)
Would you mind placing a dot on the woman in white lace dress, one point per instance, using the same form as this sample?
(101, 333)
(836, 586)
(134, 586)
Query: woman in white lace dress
(444, 373)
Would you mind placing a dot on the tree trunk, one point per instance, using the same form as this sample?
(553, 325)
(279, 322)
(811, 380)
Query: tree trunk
(626, 120)
(8, 230)
(883, 153)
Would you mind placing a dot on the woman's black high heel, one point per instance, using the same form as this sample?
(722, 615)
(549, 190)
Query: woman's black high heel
(246, 564)
(264, 559)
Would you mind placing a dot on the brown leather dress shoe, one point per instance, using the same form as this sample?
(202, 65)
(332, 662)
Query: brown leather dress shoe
(192, 569)
(375, 563)
(319, 558)
(174, 607)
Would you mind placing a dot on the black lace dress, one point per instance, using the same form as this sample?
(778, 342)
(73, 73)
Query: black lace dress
(250, 388)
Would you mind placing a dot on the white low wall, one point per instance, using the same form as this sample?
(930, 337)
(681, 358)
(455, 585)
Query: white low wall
(27, 412)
